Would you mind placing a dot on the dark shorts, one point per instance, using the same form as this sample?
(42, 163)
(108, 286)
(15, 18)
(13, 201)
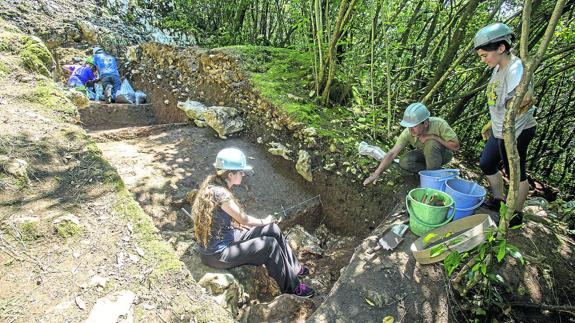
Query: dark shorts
(494, 152)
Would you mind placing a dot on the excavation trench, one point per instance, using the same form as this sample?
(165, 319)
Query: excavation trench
(161, 163)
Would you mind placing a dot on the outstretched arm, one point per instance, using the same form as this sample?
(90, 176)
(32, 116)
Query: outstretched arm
(384, 164)
(232, 208)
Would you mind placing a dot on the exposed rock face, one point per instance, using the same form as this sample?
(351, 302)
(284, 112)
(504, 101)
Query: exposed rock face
(303, 165)
(284, 308)
(224, 120)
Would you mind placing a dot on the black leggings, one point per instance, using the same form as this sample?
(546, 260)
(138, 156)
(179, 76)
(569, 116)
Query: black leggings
(262, 245)
(494, 152)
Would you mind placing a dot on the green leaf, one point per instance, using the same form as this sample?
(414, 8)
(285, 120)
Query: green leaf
(438, 250)
(501, 252)
(429, 237)
(480, 311)
(484, 268)
(515, 253)
(451, 262)
(475, 267)
(368, 301)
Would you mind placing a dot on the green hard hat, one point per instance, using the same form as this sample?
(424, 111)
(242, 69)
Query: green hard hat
(231, 159)
(415, 114)
(90, 60)
(491, 34)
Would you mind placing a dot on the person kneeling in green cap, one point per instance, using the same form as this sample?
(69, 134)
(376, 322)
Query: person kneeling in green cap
(432, 138)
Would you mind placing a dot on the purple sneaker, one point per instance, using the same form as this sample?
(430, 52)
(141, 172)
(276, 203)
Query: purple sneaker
(304, 291)
(303, 271)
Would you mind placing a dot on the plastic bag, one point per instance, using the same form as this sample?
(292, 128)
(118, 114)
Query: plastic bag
(140, 97)
(126, 93)
(99, 95)
(373, 151)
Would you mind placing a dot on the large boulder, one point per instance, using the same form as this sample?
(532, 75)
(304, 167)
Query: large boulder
(284, 308)
(193, 109)
(224, 120)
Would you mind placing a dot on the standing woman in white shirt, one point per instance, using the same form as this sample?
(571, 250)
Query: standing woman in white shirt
(493, 45)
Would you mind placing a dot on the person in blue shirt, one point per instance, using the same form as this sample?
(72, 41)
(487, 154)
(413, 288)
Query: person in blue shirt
(228, 237)
(82, 75)
(108, 74)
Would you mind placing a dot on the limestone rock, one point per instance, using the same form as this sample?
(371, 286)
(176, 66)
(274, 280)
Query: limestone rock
(14, 166)
(194, 110)
(224, 120)
(284, 308)
(68, 217)
(303, 242)
(113, 307)
(132, 54)
(79, 99)
(309, 132)
(89, 31)
(225, 288)
(303, 165)
(278, 149)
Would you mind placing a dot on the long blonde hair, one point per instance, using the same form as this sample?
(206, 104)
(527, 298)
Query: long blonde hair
(205, 204)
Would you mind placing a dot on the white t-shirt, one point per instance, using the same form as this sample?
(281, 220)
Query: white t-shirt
(501, 88)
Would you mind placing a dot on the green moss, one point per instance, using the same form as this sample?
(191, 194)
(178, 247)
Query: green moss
(30, 231)
(68, 229)
(36, 56)
(51, 99)
(158, 252)
(109, 173)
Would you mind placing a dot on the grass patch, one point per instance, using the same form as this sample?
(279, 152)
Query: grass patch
(109, 174)
(283, 76)
(68, 229)
(30, 231)
(157, 252)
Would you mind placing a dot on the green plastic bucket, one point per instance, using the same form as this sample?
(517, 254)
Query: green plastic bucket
(420, 228)
(426, 213)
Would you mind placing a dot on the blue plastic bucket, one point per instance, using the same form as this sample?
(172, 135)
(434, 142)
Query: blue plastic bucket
(461, 213)
(436, 178)
(465, 193)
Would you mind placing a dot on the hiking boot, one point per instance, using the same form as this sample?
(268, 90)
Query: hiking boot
(108, 93)
(303, 271)
(303, 290)
(516, 219)
(493, 204)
